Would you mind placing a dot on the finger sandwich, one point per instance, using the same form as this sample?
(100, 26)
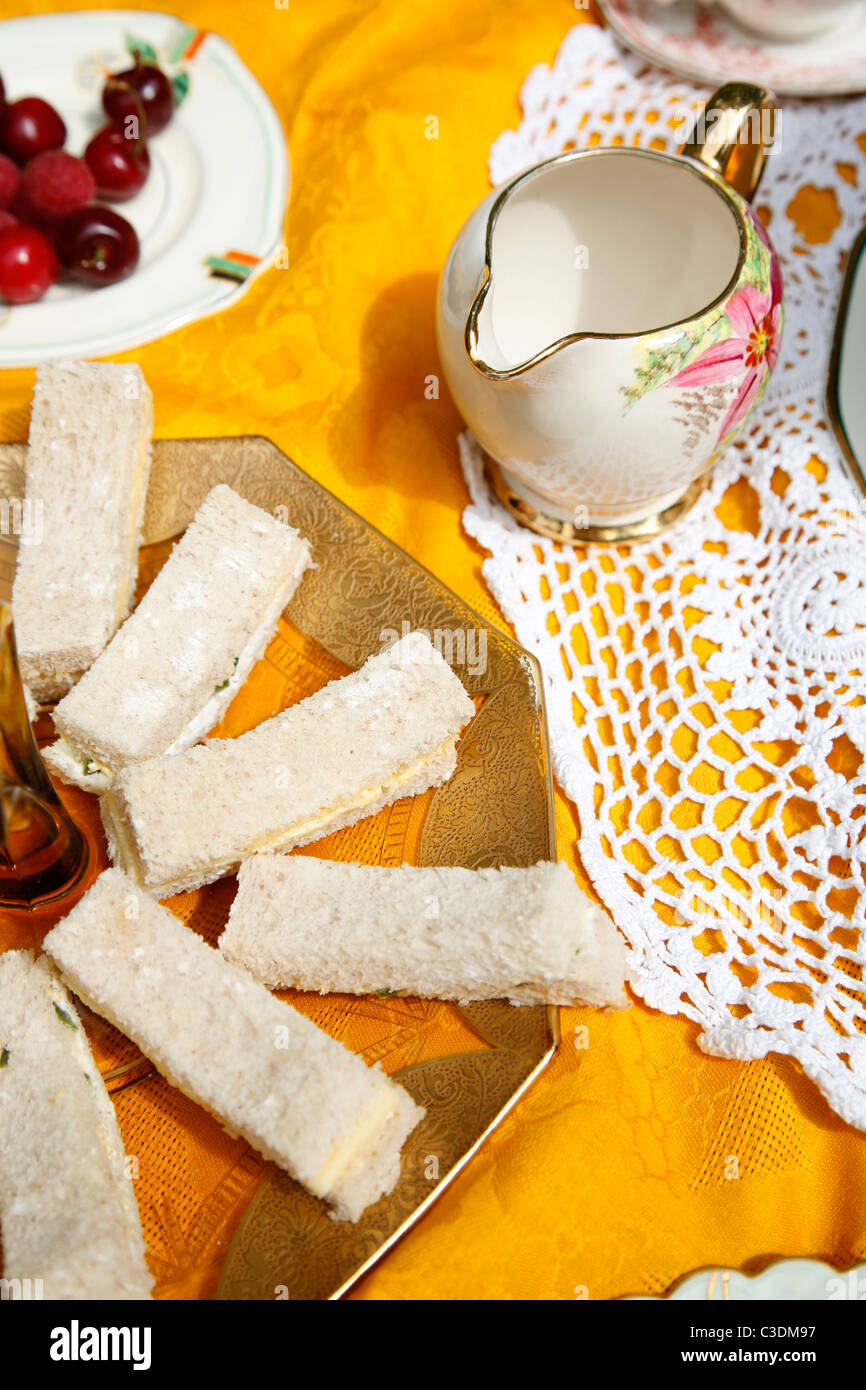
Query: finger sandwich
(386, 731)
(167, 677)
(87, 471)
(527, 935)
(68, 1214)
(263, 1069)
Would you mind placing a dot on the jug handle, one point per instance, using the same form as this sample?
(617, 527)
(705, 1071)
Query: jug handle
(725, 137)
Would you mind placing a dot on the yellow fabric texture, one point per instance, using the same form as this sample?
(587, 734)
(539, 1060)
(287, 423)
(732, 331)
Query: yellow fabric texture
(635, 1158)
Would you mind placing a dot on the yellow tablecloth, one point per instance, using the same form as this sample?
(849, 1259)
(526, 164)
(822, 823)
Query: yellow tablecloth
(616, 1174)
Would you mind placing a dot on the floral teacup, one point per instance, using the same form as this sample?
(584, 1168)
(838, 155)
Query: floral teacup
(608, 319)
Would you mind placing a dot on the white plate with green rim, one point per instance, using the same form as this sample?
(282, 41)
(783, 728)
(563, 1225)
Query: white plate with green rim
(209, 218)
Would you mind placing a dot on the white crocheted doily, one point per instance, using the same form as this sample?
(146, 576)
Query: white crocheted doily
(706, 690)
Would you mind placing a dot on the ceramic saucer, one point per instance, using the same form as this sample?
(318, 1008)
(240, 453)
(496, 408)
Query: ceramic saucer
(209, 218)
(707, 45)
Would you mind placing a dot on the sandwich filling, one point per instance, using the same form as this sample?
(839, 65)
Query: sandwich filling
(126, 854)
(355, 1144)
(315, 826)
(77, 768)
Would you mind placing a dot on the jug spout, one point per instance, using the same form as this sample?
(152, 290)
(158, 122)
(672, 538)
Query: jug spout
(504, 336)
(532, 299)
(484, 351)
(480, 343)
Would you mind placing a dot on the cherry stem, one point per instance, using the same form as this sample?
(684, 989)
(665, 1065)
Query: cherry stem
(116, 84)
(98, 258)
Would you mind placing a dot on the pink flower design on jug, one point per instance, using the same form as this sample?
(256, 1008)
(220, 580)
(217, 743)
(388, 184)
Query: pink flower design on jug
(750, 354)
(737, 341)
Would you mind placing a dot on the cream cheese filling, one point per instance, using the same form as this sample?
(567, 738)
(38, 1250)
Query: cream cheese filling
(129, 856)
(346, 1150)
(301, 829)
(71, 766)
(124, 852)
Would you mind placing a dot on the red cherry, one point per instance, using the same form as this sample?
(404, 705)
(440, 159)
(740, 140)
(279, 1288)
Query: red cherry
(97, 245)
(24, 211)
(7, 219)
(140, 91)
(21, 208)
(2, 93)
(9, 180)
(119, 164)
(28, 264)
(29, 126)
(54, 183)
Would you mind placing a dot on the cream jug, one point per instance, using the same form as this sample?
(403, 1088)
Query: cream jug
(608, 319)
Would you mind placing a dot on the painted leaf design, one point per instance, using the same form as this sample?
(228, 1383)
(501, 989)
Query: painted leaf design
(180, 83)
(141, 46)
(660, 364)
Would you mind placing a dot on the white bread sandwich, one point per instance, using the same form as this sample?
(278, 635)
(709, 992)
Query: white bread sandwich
(528, 935)
(263, 1069)
(87, 469)
(68, 1215)
(168, 676)
(386, 731)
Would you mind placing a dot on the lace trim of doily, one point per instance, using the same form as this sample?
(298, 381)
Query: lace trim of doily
(706, 691)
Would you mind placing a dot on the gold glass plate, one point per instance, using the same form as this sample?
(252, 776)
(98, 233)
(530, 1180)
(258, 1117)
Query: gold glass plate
(496, 809)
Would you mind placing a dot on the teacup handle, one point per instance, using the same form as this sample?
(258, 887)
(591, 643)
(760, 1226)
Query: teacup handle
(734, 133)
